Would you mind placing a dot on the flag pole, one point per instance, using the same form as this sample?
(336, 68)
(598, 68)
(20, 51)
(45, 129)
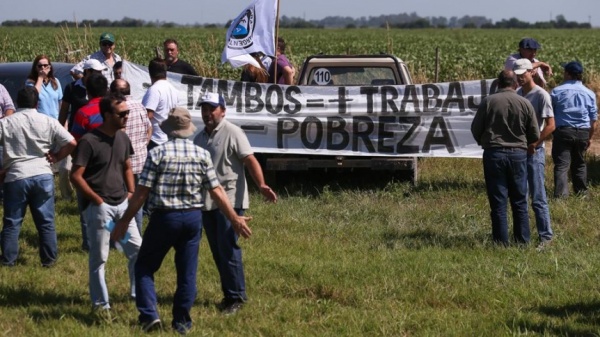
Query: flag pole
(276, 37)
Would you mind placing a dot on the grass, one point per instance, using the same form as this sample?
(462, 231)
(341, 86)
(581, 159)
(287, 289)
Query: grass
(341, 259)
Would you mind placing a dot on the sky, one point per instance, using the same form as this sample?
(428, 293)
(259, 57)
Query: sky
(220, 11)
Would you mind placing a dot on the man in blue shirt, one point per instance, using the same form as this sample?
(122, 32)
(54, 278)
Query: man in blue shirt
(575, 114)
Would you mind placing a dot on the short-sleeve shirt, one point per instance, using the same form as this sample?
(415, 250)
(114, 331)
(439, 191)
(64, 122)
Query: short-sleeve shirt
(161, 97)
(6, 102)
(510, 62)
(282, 62)
(27, 136)
(104, 160)
(177, 172)
(228, 146)
(108, 72)
(49, 98)
(87, 118)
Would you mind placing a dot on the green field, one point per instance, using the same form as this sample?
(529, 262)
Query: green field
(343, 258)
(464, 53)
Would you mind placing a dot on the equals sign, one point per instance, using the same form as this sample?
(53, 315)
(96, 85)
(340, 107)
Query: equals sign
(315, 103)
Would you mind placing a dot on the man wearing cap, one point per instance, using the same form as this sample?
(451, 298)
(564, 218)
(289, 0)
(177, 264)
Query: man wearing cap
(74, 97)
(576, 113)
(160, 98)
(174, 63)
(536, 158)
(175, 177)
(106, 55)
(505, 126)
(102, 174)
(231, 152)
(528, 49)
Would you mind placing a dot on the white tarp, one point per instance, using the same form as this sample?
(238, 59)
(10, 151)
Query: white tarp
(423, 120)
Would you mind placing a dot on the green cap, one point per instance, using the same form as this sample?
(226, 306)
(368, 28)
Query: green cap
(107, 37)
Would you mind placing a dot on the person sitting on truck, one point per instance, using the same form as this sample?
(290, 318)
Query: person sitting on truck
(285, 70)
(251, 73)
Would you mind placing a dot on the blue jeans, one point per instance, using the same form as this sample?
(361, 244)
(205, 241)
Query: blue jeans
(182, 230)
(82, 204)
(139, 216)
(38, 193)
(568, 151)
(98, 237)
(536, 165)
(505, 171)
(226, 253)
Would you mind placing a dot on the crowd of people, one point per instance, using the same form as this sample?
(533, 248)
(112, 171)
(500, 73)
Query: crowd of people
(127, 158)
(511, 127)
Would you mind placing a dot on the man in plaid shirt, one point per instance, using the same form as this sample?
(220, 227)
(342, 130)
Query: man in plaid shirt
(174, 177)
(139, 130)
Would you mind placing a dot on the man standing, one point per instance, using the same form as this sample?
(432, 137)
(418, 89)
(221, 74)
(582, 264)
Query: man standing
(174, 63)
(536, 158)
(504, 126)
(231, 152)
(576, 114)
(528, 48)
(175, 176)
(74, 97)
(28, 138)
(102, 174)
(106, 55)
(139, 131)
(160, 98)
(88, 117)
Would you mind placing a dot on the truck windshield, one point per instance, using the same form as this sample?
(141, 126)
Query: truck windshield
(352, 76)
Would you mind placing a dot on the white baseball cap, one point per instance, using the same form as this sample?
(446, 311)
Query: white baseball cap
(521, 66)
(94, 64)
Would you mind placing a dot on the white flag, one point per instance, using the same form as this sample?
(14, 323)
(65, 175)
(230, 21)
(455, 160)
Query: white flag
(252, 31)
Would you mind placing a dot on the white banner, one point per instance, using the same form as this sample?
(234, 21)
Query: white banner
(420, 120)
(251, 31)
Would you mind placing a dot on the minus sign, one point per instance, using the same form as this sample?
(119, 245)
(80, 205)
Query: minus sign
(253, 127)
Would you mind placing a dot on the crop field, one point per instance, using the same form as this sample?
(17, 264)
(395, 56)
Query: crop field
(338, 255)
(464, 53)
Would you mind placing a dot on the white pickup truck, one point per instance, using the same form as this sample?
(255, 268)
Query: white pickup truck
(348, 70)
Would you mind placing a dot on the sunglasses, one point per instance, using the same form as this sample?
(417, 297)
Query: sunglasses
(43, 65)
(122, 114)
(109, 44)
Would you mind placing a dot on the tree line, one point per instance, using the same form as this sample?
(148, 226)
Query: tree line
(401, 21)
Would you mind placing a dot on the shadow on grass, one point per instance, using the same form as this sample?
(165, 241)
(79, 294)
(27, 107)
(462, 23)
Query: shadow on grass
(580, 319)
(593, 169)
(425, 238)
(52, 305)
(312, 182)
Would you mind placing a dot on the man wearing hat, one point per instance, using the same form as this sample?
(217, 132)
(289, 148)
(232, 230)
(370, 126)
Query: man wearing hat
(536, 158)
(175, 177)
(231, 152)
(106, 55)
(528, 48)
(576, 113)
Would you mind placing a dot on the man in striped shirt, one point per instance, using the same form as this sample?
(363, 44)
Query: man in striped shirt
(139, 131)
